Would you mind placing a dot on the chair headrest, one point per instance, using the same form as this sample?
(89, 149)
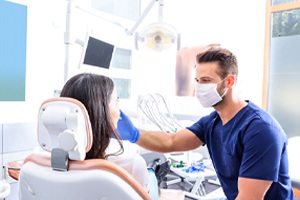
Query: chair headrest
(63, 123)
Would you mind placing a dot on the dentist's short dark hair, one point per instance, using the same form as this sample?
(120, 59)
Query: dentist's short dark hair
(226, 60)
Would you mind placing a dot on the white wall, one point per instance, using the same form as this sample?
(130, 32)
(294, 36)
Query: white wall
(234, 24)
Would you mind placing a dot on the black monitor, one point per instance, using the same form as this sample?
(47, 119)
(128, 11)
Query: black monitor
(97, 53)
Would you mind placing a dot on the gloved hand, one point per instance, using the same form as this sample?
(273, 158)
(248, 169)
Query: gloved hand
(126, 129)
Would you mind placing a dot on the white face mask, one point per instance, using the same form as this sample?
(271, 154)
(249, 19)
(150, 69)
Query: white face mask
(208, 95)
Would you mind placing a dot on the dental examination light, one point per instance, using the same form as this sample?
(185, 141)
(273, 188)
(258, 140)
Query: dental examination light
(157, 36)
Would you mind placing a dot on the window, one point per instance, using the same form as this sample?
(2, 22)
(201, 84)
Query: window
(276, 2)
(103, 58)
(282, 56)
(286, 23)
(121, 64)
(129, 9)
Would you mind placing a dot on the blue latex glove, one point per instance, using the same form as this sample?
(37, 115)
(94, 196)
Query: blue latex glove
(126, 129)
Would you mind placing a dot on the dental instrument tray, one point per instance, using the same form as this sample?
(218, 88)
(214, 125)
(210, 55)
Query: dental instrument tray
(194, 170)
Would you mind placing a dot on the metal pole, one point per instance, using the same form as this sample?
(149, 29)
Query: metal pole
(67, 38)
(160, 11)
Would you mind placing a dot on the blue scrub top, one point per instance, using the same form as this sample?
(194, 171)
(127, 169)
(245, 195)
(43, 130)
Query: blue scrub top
(251, 145)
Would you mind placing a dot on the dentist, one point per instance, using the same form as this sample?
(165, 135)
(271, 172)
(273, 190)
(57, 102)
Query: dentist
(246, 144)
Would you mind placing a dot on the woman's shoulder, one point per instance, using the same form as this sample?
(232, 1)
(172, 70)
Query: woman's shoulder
(128, 160)
(135, 164)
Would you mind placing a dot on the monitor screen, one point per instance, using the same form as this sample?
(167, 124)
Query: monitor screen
(98, 53)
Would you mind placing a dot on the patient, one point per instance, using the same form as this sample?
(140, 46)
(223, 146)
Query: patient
(99, 96)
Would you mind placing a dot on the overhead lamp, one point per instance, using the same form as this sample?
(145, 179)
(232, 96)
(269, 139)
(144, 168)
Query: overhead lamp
(158, 36)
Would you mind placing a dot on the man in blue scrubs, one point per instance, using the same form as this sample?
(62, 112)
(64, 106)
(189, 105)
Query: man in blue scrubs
(246, 144)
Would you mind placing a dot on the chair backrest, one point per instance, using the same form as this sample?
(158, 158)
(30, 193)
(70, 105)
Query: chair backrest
(64, 130)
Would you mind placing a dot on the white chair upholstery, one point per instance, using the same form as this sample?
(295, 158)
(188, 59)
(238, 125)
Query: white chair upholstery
(4, 189)
(64, 130)
(293, 149)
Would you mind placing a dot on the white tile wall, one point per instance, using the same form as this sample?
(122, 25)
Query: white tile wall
(19, 136)
(17, 141)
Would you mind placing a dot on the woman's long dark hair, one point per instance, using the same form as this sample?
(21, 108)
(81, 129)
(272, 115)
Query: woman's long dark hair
(95, 91)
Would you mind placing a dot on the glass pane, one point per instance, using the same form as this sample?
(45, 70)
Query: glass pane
(122, 59)
(276, 2)
(286, 23)
(123, 87)
(284, 83)
(129, 9)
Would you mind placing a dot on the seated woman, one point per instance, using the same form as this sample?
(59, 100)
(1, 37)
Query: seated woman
(99, 95)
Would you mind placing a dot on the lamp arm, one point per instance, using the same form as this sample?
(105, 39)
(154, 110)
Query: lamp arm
(141, 18)
(137, 23)
(160, 10)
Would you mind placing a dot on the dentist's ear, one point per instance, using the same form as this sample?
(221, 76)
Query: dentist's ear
(126, 129)
(231, 80)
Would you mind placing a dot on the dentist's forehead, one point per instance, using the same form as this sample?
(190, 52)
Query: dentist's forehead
(207, 71)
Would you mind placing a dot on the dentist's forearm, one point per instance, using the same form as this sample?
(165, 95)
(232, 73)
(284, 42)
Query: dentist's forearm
(155, 141)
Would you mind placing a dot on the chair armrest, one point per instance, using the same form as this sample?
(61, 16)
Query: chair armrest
(296, 183)
(13, 168)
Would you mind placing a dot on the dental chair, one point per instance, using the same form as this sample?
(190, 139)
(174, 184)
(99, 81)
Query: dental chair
(61, 172)
(293, 149)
